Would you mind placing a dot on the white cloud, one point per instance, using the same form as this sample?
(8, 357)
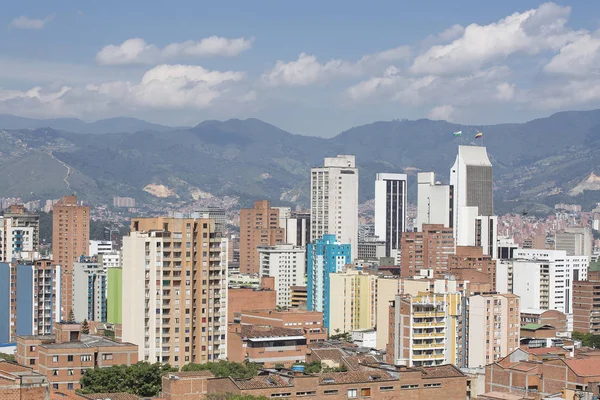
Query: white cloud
(162, 87)
(24, 22)
(441, 113)
(137, 51)
(578, 58)
(307, 69)
(505, 91)
(529, 32)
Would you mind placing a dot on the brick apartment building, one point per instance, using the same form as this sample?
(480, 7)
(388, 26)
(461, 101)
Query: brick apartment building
(554, 318)
(259, 226)
(22, 383)
(527, 376)
(243, 299)
(586, 306)
(266, 345)
(379, 383)
(63, 356)
(310, 322)
(469, 263)
(427, 252)
(299, 296)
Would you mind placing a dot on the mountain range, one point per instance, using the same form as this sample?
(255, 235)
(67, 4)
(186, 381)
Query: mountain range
(536, 164)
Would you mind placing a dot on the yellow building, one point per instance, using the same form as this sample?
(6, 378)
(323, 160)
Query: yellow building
(424, 329)
(353, 301)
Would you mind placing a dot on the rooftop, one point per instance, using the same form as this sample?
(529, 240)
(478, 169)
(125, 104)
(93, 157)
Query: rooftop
(109, 396)
(262, 382)
(589, 366)
(333, 378)
(442, 371)
(256, 331)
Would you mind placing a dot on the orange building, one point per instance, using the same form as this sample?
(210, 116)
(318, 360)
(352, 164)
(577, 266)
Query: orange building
(243, 299)
(259, 226)
(310, 322)
(65, 355)
(427, 252)
(70, 240)
(18, 383)
(469, 263)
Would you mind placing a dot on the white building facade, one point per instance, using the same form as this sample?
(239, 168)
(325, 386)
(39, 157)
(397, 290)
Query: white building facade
(390, 210)
(286, 264)
(434, 202)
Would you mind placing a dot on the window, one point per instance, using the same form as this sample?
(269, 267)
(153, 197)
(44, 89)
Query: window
(352, 393)
(71, 372)
(281, 394)
(365, 392)
(432, 385)
(55, 386)
(70, 358)
(32, 361)
(331, 391)
(54, 359)
(301, 394)
(54, 372)
(86, 358)
(107, 356)
(31, 348)
(404, 387)
(386, 388)
(69, 386)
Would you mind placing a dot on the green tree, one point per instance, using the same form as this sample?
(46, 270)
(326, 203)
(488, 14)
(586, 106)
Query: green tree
(85, 327)
(587, 339)
(71, 317)
(313, 367)
(225, 368)
(8, 357)
(142, 379)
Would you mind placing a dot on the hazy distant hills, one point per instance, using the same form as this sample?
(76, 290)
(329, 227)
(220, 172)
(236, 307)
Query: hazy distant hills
(535, 163)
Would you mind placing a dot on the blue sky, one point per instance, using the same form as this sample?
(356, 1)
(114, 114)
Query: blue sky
(309, 67)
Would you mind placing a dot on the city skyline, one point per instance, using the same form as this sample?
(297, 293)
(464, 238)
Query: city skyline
(506, 62)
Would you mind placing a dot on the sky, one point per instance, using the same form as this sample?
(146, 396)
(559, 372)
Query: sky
(310, 67)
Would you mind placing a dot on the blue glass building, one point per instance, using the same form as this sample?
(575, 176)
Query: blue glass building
(324, 256)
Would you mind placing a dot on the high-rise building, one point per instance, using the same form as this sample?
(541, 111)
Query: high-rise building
(473, 208)
(435, 202)
(19, 232)
(390, 210)
(470, 264)
(285, 263)
(334, 201)
(372, 250)
(123, 201)
(426, 253)
(424, 329)
(297, 228)
(353, 304)
(216, 213)
(586, 302)
(90, 284)
(491, 328)
(100, 247)
(259, 226)
(575, 241)
(543, 279)
(325, 256)
(175, 304)
(29, 299)
(70, 240)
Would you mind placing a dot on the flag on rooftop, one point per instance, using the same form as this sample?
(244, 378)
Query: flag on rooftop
(478, 135)
(457, 133)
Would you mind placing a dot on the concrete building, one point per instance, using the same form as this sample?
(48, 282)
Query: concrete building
(29, 299)
(424, 329)
(334, 201)
(19, 232)
(259, 226)
(285, 263)
(390, 210)
(245, 299)
(491, 328)
(387, 289)
(553, 318)
(18, 382)
(543, 279)
(309, 322)
(123, 202)
(364, 338)
(218, 214)
(353, 304)
(70, 240)
(371, 250)
(296, 225)
(114, 295)
(470, 264)
(64, 356)
(506, 247)
(90, 284)
(426, 253)
(100, 247)
(435, 202)
(586, 305)
(325, 256)
(575, 241)
(175, 302)
(474, 221)
(299, 295)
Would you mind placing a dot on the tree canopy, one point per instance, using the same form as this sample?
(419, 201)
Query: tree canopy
(225, 368)
(587, 339)
(142, 379)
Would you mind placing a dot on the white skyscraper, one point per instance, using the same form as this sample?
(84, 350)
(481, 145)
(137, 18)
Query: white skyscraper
(435, 202)
(286, 264)
(390, 210)
(473, 204)
(334, 200)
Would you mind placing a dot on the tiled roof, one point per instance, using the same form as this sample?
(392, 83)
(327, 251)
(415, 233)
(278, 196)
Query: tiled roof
(65, 395)
(546, 350)
(262, 382)
(524, 366)
(111, 396)
(441, 371)
(329, 354)
(10, 367)
(255, 331)
(589, 366)
(354, 362)
(192, 373)
(332, 378)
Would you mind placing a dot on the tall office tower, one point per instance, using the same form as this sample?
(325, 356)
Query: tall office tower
(216, 213)
(435, 202)
(259, 226)
(19, 231)
(426, 253)
(576, 241)
(285, 263)
(334, 201)
(491, 329)
(473, 208)
(424, 329)
(90, 286)
(354, 301)
(70, 240)
(543, 279)
(390, 210)
(297, 227)
(29, 299)
(325, 256)
(175, 302)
